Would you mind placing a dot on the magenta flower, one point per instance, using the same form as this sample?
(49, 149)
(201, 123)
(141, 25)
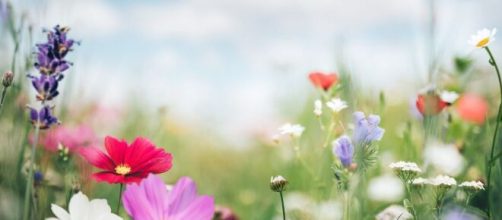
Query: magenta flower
(151, 200)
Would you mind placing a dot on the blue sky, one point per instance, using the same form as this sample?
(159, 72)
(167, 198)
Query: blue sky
(230, 62)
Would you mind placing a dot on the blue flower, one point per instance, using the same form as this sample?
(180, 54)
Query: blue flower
(343, 148)
(46, 86)
(38, 177)
(367, 128)
(42, 119)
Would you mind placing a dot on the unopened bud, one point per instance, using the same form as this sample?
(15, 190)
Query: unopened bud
(278, 183)
(7, 78)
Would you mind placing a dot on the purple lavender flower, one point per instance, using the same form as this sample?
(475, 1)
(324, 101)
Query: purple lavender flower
(42, 119)
(367, 128)
(344, 150)
(50, 55)
(46, 86)
(150, 200)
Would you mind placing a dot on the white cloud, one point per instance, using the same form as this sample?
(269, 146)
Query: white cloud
(180, 21)
(94, 18)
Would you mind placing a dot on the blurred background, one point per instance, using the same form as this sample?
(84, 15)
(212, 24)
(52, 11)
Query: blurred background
(212, 80)
(228, 65)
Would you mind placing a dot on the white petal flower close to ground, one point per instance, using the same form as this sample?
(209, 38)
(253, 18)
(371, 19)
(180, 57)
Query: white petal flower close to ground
(394, 212)
(473, 185)
(80, 208)
(336, 105)
(294, 130)
(483, 38)
(445, 158)
(386, 188)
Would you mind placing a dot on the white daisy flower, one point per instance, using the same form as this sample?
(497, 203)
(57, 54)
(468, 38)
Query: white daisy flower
(405, 166)
(82, 209)
(483, 38)
(318, 108)
(473, 185)
(294, 130)
(449, 96)
(443, 180)
(336, 105)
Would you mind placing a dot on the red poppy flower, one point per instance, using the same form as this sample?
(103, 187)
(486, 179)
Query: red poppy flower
(322, 80)
(127, 164)
(430, 104)
(472, 108)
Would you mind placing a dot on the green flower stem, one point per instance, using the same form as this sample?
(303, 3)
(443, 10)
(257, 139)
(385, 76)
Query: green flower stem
(495, 134)
(120, 198)
(15, 37)
(328, 135)
(346, 212)
(29, 184)
(282, 203)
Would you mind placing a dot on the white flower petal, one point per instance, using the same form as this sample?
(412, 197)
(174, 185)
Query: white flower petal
(79, 207)
(60, 213)
(109, 216)
(99, 208)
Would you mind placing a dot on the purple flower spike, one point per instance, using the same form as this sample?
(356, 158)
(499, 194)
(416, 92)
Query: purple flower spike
(150, 200)
(343, 148)
(50, 55)
(367, 128)
(42, 119)
(458, 214)
(46, 86)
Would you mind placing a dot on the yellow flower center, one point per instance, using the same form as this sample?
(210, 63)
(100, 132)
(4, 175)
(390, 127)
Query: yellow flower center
(483, 42)
(122, 169)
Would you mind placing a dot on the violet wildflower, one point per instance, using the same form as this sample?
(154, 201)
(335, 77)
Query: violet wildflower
(151, 200)
(50, 64)
(50, 55)
(344, 150)
(367, 128)
(46, 86)
(43, 118)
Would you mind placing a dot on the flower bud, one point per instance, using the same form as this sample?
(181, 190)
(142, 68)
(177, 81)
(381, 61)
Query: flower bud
(278, 183)
(7, 78)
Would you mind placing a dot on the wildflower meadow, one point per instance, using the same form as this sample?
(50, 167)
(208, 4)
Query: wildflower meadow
(129, 141)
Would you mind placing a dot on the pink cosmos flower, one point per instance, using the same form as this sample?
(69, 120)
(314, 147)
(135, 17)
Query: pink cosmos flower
(151, 200)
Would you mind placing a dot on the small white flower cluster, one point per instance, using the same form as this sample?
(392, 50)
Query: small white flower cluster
(440, 180)
(405, 166)
(472, 185)
(293, 130)
(443, 180)
(336, 105)
(420, 181)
